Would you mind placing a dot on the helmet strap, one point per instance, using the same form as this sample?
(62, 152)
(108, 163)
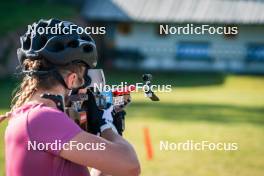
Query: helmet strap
(59, 78)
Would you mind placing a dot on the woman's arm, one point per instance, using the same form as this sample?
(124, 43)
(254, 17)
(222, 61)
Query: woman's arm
(118, 158)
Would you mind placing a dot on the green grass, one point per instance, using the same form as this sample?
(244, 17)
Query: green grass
(16, 14)
(2, 159)
(216, 108)
(248, 160)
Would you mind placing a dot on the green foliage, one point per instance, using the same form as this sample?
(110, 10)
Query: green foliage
(17, 14)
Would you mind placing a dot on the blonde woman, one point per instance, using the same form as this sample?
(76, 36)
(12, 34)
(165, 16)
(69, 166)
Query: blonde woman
(57, 64)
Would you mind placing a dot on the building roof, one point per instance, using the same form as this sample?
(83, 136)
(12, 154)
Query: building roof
(176, 11)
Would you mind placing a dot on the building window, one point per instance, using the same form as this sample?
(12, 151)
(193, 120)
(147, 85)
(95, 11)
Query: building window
(255, 52)
(193, 50)
(124, 28)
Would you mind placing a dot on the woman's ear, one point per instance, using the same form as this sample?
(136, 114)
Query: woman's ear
(70, 80)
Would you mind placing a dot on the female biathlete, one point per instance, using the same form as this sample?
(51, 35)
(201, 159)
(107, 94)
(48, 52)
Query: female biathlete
(57, 64)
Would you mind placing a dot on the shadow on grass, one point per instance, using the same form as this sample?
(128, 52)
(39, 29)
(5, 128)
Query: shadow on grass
(197, 112)
(176, 79)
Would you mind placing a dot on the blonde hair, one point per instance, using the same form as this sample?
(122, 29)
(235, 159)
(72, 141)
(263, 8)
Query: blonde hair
(30, 84)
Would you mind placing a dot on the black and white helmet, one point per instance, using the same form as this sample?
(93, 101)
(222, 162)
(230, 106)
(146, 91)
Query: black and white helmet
(58, 49)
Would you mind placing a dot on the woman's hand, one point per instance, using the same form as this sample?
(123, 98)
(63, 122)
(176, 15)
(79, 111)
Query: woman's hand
(98, 120)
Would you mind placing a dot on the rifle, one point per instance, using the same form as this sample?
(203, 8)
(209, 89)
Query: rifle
(119, 98)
